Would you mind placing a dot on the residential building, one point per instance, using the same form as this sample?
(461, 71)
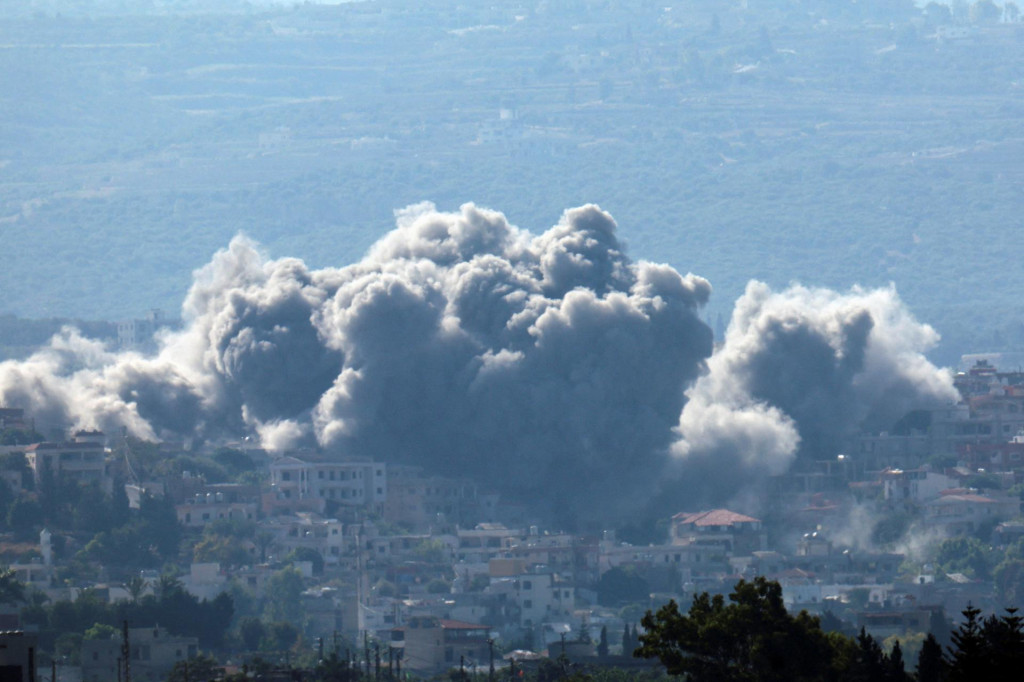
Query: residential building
(18, 657)
(83, 459)
(344, 483)
(432, 645)
(735, 533)
(153, 652)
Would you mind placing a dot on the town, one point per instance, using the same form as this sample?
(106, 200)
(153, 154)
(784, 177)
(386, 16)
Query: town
(240, 553)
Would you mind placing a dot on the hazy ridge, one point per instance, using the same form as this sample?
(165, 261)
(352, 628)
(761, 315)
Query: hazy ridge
(825, 143)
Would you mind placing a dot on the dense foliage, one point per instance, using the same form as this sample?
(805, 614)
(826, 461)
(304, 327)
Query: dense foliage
(752, 638)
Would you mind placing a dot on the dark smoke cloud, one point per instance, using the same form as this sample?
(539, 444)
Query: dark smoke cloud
(550, 366)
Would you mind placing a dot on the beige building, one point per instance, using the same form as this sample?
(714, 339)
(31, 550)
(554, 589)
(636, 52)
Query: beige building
(82, 459)
(433, 645)
(154, 651)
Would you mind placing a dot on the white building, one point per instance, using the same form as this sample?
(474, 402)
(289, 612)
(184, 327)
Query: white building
(355, 484)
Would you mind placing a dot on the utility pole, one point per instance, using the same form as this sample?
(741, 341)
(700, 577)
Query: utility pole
(126, 652)
(366, 651)
(490, 647)
(320, 648)
(376, 661)
(53, 670)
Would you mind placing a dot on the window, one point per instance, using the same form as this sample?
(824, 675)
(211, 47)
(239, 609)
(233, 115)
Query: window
(527, 603)
(320, 474)
(527, 585)
(286, 475)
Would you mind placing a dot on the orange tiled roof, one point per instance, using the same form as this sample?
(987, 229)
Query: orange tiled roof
(714, 517)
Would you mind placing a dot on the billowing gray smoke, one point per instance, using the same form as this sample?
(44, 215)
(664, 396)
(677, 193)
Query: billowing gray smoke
(551, 366)
(800, 369)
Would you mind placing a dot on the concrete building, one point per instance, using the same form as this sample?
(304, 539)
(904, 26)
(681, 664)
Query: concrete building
(83, 460)
(735, 533)
(230, 502)
(17, 656)
(308, 530)
(432, 645)
(154, 651)
(353, 484)
(432, 503)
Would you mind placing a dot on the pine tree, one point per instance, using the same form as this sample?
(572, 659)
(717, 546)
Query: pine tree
(931, 666)
(969, 656)
(894, 667)
(869, 661)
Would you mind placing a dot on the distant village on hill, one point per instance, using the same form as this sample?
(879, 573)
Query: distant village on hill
(236, 551)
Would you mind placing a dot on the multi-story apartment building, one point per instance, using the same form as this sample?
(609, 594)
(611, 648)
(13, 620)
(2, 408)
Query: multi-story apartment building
(346, 483)
(82, 459)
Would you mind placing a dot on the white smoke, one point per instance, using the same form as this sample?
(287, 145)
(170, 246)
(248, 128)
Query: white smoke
(803, 367)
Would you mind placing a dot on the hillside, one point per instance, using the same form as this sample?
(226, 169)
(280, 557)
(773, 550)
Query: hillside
(828, 144)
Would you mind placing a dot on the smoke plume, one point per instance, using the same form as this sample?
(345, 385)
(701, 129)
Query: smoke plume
(800, 369)
(550, 366)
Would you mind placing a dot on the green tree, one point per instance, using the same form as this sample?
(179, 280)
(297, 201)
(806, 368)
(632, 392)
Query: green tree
(931, 664)
(752, 637)
(602, 644)
(968, 657)
(12, 590)
(251, 631)
(201, 667)
(620, 586)
(307, 554)
(223, 549)
(100, 631)
(965, 555)
(284, 596)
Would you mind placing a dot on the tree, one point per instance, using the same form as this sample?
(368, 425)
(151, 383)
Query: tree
(602, 644)
(620, 586)
(969, 655)
(199, 667)
(869, 662)
(135, 586)
(985, 12)
(12, 590)
(251, 631)
(284, 596)
(627, 641)
(307, 554)
(931, 665)
(964, 555)
(752, 637)
(895, 670)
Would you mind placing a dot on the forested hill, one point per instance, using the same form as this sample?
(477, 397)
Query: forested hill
(831, 143)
